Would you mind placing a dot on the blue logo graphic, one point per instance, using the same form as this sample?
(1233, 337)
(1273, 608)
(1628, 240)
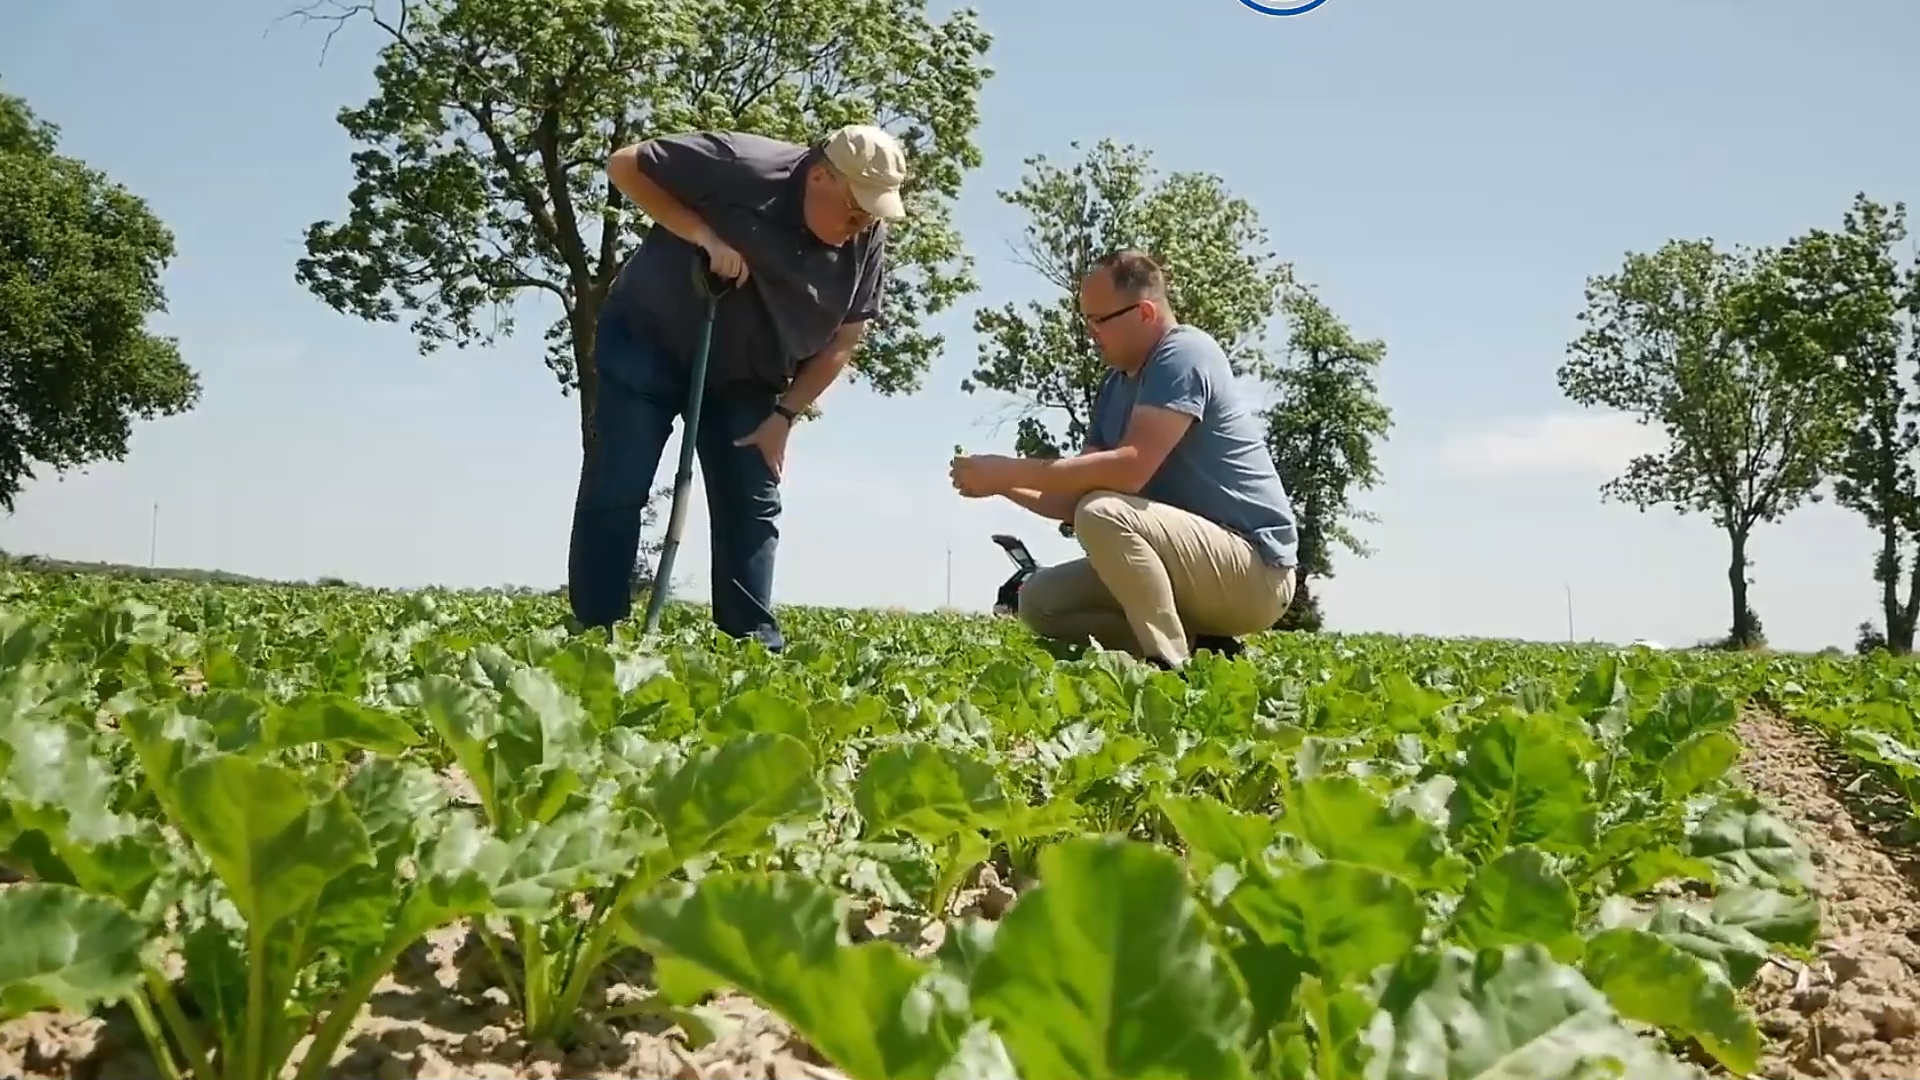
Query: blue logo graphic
(1281, 7)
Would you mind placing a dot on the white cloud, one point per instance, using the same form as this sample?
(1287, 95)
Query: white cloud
(1565, 443)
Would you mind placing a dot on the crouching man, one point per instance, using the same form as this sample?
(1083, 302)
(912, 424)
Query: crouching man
(1188, 531)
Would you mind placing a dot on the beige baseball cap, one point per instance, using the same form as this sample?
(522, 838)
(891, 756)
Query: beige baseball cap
(874, 167)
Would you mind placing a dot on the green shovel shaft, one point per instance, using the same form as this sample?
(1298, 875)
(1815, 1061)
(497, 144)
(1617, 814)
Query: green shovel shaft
(683, 476)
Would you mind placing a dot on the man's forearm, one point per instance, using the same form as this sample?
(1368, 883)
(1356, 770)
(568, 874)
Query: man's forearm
(1070, 478)
(816, 374)
(1057, 506)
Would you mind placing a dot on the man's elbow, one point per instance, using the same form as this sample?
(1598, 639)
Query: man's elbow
(1131, 473)
(847, 339)
(623, 171)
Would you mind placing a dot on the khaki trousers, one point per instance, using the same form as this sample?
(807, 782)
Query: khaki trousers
(1154, 578)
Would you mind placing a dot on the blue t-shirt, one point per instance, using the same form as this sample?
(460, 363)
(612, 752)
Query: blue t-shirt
(1220, 470)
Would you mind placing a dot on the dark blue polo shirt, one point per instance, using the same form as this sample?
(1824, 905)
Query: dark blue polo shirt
(750, 191)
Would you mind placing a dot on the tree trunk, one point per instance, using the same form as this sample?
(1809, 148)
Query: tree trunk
(1887, 569)
(1900, 630)
(1742, 634)
(1304, 612)
(586, 377)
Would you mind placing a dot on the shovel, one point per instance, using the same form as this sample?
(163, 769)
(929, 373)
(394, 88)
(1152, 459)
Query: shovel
(712, 288)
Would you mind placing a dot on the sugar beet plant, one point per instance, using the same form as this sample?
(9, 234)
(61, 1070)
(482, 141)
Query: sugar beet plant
(1342, 859)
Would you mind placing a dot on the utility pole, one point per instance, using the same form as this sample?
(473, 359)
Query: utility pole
(1569, 587)
(949, 575)
(153, 538)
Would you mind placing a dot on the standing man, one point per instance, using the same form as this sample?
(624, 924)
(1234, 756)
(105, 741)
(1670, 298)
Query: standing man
(799, 234)
(1189, 533)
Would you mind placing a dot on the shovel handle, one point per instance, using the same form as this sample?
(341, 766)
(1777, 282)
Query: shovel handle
(710, 285)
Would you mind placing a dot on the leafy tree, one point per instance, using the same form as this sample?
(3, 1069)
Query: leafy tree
(1862, 307)
(1323, 430)
(1703, 344)
(481, 173)
(1208, 241)
(80, 265)
(653, 536)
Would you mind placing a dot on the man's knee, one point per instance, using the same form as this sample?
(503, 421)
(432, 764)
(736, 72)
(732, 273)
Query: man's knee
(1040, 604)
(628, 438)
(1030, 605)
(1101, 511)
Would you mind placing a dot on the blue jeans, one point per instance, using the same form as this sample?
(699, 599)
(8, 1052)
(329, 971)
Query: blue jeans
(642, 389)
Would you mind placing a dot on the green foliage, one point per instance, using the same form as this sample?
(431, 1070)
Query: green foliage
(1862, 308)
(481, 169)
(1708, 347)
(1394, 856)
(1304, 613)
(1325, 428)
(653, 536)
(1209, 242)
(80, 265)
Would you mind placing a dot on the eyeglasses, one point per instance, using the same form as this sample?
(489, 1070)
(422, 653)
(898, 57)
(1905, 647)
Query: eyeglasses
(1102, 320)
(857, 216)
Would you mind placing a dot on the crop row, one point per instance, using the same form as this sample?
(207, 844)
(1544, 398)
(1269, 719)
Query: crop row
(1340, 857)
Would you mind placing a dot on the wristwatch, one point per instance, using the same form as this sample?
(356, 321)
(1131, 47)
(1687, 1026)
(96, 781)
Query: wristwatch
(786, 412)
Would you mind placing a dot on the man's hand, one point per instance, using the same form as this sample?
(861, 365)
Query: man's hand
(982, 475)
(722, 259)
(771, 438)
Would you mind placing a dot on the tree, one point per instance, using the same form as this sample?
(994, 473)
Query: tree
(1323, 430)
(80, 265)
(1863, 309)
(1208, 241)
(653, 537)
(1703, 345)
(481, 175)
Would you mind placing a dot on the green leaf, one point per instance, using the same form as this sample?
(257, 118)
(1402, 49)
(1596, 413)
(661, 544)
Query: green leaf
(60, 789)
(1523, 783)
(576, 851)
(1769, 915)
(340, 721)
(1734, 950)
(1520, 899)
(763, 712)
(273, 844)
(1697, 762)
(1346, 919)
(930, 791)
(1654, 982)
(1216, 834)
(1346, 822)
(725, 799)
(871, 1010)
(1502, 1014)
(1751, 848)
(1091, 971)
(65, 951)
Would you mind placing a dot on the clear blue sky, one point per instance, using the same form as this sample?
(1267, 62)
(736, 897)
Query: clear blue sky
(1449, 174)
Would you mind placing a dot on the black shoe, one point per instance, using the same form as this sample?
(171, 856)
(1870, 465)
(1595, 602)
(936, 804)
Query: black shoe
(1225, 646)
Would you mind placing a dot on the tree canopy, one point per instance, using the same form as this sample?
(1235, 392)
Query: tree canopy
(80, 265)
(1860, 305)
(1706, 346)
(1324, 430)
